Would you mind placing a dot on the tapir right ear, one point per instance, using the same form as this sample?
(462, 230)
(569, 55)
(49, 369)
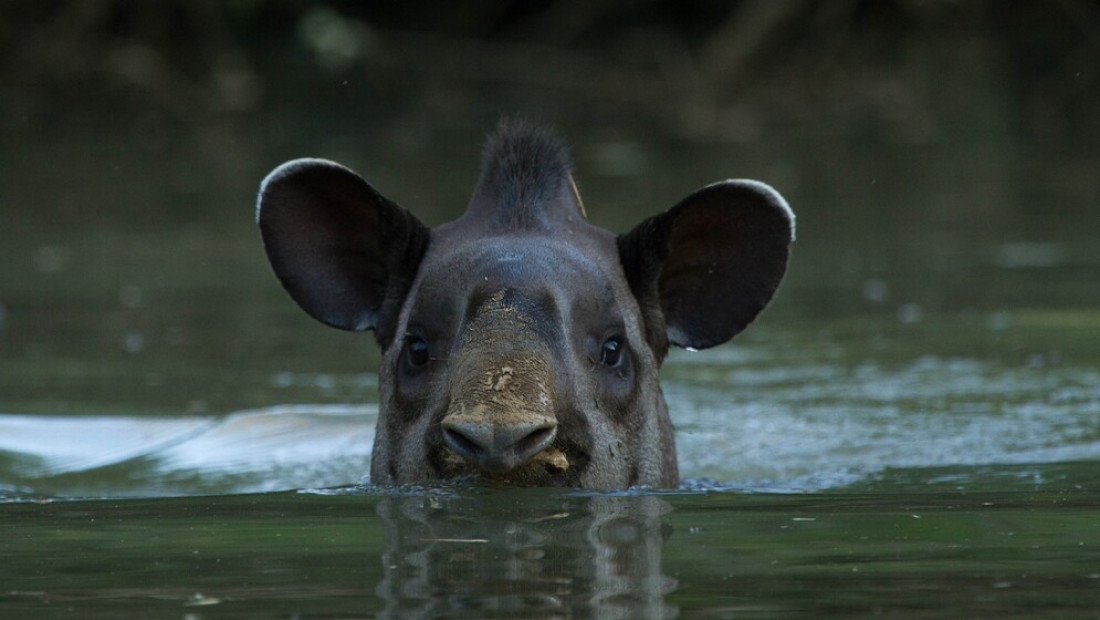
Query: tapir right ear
(344, 252)
(705, 268)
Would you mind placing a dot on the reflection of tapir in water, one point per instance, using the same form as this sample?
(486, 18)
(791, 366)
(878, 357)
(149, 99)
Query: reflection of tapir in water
(522, 344)
(564, 556)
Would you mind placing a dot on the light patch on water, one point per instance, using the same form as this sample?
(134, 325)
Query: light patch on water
(55, 445)
(811, 427)
(281, 447)
(270, 449)
(1030, 255)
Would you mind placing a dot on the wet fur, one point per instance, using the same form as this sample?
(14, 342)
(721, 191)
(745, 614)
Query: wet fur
(523, 169)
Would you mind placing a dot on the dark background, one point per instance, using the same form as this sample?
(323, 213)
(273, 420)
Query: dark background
(740, 72)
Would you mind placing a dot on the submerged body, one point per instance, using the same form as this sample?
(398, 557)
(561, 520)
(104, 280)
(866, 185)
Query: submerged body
(522, 344)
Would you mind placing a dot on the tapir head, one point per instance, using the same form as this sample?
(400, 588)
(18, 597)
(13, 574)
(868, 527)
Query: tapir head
(522, 344)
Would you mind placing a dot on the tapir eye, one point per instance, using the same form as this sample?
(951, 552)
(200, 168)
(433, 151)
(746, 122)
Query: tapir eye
(416, 351)
(611, 352)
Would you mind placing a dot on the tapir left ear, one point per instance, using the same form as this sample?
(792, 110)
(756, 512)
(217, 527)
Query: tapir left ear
(705, 268)
(343, 251)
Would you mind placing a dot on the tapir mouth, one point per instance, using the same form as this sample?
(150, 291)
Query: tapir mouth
(550, 467)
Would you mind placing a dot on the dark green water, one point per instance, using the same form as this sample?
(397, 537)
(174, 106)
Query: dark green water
(913, 428)
(548, 553)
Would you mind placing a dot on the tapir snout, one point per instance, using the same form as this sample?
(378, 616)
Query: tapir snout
(502, 408)
(521, 344)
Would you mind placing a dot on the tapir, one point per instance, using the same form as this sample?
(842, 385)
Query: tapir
(522, 344)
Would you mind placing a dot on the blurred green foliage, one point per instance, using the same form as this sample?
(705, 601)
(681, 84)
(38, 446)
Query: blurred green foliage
(742, 71)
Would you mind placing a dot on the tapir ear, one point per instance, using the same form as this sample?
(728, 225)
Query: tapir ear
(710, 264)
(344, 252)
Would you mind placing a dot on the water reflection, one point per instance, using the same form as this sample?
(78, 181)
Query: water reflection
(529, 552)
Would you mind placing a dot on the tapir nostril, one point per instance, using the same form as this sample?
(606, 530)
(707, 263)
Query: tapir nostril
(497, 447)
(461, 443)
(536, 441)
